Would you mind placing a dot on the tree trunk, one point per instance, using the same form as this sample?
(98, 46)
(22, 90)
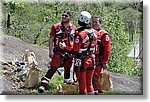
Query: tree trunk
(8, 21)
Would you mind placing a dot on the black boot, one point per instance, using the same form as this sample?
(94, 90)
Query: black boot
(41, 89)
(44, 81)
(43, 84)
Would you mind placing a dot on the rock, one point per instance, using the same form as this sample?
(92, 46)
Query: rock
(13, 48)
(5, 87)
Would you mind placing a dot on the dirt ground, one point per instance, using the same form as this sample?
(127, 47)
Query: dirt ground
(12, 48)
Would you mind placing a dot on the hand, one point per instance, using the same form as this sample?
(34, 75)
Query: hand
(62, 45)
(51, 55)
(105, 65)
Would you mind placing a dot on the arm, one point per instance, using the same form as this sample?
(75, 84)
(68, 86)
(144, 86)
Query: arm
(51, 47)
(107, 49)
(77, 43)
(51, 39)
(69, 47)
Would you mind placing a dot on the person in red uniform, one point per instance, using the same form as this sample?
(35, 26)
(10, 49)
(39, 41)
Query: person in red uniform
(102, 53)
(60, 47)
(84, 48)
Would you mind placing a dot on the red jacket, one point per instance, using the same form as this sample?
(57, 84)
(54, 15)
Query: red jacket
(103, 46)
(83, 45)
(60, 35)
(82, 41)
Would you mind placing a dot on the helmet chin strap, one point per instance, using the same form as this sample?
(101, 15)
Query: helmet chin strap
(83, 24)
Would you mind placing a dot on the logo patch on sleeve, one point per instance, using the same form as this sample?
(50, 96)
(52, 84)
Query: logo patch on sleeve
(107, 38)
(77, 39)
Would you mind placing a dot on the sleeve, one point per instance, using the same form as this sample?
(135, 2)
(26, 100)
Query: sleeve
(77, 43)
(107, 47)
(52, 32)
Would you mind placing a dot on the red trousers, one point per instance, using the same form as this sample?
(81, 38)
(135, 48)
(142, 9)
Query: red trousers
(67, 63)
(96, 74)
(85, 77)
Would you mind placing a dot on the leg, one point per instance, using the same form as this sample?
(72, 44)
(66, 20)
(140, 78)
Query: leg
(96, 75)
(45, 80)
(75, 77)
(67, 79)
(67, 69)
(56, 61)
(82, 79)
(82, 83)
(89, 76)
(94, 83)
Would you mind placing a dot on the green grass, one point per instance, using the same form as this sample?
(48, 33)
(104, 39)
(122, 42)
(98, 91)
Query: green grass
(52, 87)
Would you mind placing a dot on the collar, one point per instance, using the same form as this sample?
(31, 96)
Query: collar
(60, 24)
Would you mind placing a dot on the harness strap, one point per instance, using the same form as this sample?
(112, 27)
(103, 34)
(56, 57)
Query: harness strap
(64, 53)
(65, 33)
(86, 53)
(90, 35)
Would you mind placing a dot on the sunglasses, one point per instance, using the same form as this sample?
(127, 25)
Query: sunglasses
(65, 15)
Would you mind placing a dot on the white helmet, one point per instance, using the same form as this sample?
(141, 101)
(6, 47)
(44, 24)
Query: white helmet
(85, 17)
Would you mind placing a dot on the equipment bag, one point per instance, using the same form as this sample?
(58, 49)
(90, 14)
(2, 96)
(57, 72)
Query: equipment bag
(67, 89)
(32, 78)
(105, 82)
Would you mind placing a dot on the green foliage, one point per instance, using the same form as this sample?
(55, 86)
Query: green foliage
(52, 87)
(32, 23)
(113, 23)
(56, 80)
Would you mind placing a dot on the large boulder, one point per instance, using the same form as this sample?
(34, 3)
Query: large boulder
(13, 48)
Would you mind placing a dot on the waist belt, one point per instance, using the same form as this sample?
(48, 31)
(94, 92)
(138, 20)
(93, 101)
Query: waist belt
(84, 55)
(63, 53)
(88, 56)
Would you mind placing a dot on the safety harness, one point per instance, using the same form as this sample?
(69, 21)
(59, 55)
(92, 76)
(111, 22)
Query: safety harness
(64, 53)
(63, 33)
(87, 53)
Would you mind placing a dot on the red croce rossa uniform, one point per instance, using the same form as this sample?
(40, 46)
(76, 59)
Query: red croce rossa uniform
(60, 48)
(59, 58)
(58, 32)
(84, 47)
(102, 53)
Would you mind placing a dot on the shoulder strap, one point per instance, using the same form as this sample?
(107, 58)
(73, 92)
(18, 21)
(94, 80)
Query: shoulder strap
(56, 25)
(90, 35)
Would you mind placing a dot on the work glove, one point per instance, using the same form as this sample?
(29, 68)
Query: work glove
(62, 45)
